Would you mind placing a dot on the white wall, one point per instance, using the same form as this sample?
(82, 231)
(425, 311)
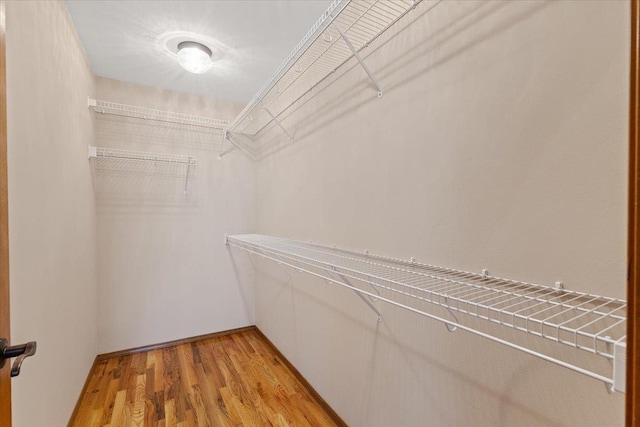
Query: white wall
(52, 222)
(164, 272)
(500, 143)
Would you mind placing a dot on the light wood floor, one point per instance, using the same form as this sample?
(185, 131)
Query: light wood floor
(233, 380)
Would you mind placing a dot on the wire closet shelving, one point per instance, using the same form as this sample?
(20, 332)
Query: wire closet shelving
(100, 154)
(340, 34)
(591, 323)
(124, 110)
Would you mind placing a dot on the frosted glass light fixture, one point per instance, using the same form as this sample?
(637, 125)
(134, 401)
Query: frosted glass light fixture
(194, 57)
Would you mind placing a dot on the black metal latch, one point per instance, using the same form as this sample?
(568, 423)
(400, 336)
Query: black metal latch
(19, 351)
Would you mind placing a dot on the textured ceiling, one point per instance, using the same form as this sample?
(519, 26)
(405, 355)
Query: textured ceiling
(133, 41)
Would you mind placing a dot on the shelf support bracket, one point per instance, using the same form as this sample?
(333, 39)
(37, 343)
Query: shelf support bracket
(619, 366)
(225, 136)
(186, 181)
(275, 119)
(355, 53)
(373, 288)
(279, 265)
(362, 297)
(235, 146)
(277, 260)
(449, 326)
(373, 299)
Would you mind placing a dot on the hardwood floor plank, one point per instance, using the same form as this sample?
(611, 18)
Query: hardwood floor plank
(112, 390)
(89, 398)
(139, 404)
(233, 380)
(216, 411)
(159, 402)
(150, 417)
(117, 417)
(227, 397)
(158, 366)
(173, 384)
(170, 413)
(96, 418)
(199, 407)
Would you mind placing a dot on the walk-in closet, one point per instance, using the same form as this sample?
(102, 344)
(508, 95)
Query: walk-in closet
(366, 213)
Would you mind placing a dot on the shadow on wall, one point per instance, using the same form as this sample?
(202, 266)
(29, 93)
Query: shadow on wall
(121, 183)
(436, 46)
(244, 271)
(414, 360)
(134, 131)
(125, 186)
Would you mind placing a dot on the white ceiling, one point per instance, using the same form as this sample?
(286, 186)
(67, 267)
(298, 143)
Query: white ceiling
(132, 40)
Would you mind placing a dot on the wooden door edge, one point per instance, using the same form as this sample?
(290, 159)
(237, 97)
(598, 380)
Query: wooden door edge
(5, 380)
(632, 406)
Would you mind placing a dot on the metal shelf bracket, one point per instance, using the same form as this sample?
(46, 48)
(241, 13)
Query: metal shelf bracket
(275, 119)
(235, 145)
(355, 53)
(369, 301)
(186, 180)
(225, 136)
(619, 367)
(450, 327)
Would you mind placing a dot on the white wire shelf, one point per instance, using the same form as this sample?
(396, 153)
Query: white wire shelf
(112, 108)
(591, 323)
(99, 154)
(113, 153)
(344, 29)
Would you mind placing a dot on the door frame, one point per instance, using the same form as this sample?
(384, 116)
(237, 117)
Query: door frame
(5, 379)
(632, 406)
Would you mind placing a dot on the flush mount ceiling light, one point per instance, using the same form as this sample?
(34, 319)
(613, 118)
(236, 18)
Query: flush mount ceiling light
(194, 57)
